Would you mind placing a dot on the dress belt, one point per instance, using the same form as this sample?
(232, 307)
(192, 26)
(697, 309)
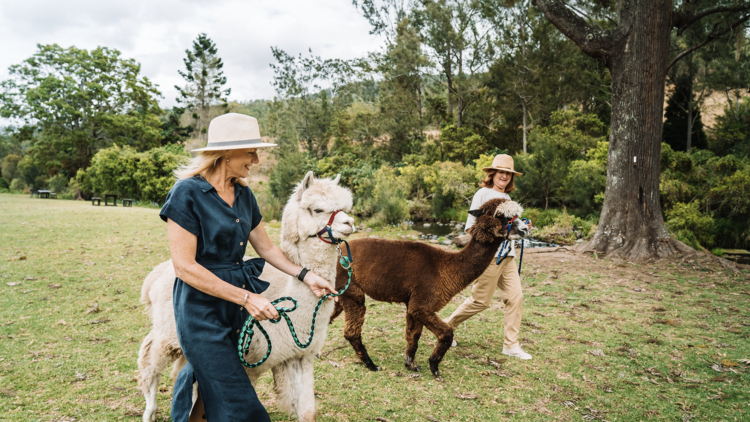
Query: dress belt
(251, 269)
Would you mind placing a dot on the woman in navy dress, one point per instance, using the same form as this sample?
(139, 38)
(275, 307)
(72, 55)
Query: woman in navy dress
(211, 217)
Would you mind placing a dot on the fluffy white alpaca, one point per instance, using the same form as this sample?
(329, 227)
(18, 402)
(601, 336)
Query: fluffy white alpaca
(306, 213)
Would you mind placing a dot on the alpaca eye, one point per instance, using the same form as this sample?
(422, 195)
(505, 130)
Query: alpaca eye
(318, 211)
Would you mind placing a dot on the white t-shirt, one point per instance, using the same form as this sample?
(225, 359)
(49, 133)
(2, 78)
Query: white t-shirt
(483, 195)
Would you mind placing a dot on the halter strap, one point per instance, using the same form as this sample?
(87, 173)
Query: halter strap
(327, 228)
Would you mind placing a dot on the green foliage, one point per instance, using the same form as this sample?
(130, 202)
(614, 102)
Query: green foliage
(461, 144)
(80, 101)
(9, 166)
(141, 175)
(717, 251)
(31, 174)
(17, 185)
(731, 133)
(58, 184)
(690, 226)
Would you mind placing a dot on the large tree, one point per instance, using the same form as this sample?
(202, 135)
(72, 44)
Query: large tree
(635, 49)
(72, 102)
(205, 82)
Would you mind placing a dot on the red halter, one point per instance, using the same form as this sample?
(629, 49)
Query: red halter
(327, 229)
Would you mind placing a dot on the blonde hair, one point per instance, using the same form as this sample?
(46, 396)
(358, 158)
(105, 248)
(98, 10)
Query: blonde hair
(488, 183)
(204, 164)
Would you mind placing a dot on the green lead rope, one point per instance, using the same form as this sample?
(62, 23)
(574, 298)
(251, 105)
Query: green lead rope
(246, 335)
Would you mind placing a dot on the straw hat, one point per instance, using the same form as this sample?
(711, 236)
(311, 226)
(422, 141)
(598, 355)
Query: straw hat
(233, 131)
(503, 162)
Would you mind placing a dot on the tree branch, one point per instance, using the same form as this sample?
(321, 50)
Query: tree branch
(711, 36)
(594, 42)
(682, 20)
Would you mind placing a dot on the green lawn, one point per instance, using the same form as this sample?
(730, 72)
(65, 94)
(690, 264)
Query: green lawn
(602, 349)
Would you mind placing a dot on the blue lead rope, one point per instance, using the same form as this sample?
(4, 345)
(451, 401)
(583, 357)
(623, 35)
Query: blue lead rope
(520, 259)
(246, 335)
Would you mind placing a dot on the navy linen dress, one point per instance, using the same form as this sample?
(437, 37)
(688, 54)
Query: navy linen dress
(208, 327)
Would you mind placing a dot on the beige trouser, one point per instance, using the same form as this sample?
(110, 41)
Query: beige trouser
(505, 278)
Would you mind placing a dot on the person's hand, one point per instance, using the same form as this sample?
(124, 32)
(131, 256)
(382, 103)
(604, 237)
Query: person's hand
(319, 286)
(260, 308)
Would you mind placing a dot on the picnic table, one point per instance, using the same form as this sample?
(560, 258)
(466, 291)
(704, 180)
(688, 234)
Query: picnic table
(109, 196)
(43, 193)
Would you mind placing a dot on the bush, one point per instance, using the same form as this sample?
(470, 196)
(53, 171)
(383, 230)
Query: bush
(58, 183)
(688, 225)
(10, 166)
(147, 176)
(17, 185)
(4, 184)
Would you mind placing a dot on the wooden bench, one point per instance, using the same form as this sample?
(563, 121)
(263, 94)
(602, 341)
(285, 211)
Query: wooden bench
(96, 199)
(43, 193)
(52, 195)
(127, 202)
(109, 196)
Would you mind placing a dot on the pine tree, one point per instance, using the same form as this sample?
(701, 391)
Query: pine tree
(678, 115)
(205, 81)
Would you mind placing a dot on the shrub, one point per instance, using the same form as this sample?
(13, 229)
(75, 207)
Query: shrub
(146, 175)
(17, 185)
(58, 183)
(4, 184)
(688, 225)
(10, 166)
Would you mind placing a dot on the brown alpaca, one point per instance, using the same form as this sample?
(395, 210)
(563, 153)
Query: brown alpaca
(423, 277)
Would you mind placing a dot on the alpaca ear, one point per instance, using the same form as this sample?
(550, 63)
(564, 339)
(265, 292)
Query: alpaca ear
(477, 213)
(336, 180)
(307, 181)
(303, 185)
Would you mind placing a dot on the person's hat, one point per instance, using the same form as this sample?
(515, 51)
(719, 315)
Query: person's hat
(503, 162)
(233, 131)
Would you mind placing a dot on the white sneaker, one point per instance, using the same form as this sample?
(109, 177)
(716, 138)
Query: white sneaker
(517, 352)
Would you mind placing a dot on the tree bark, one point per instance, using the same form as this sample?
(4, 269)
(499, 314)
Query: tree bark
(631, 225)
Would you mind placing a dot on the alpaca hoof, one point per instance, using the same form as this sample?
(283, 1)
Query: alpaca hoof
(373, 368)
(438, 378)
(415, 368)
(410, 365)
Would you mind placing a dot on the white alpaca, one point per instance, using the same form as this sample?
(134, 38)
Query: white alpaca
(306, 213)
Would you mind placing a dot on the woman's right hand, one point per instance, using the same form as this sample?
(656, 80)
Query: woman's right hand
(260, 308)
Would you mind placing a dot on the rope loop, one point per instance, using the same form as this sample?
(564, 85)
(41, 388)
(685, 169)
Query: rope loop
(247, 332)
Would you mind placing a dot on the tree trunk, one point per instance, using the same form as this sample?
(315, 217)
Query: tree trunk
(690, 123)
(525, 128)
(631, 225)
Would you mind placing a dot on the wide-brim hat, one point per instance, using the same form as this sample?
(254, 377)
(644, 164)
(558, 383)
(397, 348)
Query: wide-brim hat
(233, 131)
(503, 162)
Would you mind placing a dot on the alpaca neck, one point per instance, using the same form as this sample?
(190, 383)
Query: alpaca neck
(468, 264)
(317, 256)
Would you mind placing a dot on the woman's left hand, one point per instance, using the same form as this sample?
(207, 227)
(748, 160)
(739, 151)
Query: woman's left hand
(319, 286)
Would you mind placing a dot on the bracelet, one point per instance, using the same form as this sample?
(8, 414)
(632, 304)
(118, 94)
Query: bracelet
(245, 301)
(303, 272)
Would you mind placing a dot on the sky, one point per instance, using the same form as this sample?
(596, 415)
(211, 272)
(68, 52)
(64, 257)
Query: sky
(156, 34)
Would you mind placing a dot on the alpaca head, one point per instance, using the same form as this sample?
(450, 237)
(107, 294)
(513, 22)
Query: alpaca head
(311, 206)
(493, 218)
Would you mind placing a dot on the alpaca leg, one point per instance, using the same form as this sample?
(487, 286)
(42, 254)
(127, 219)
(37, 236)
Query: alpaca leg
(176, 368)
(285, 385)
(153, 358)
(306, 391)
(444, 334)
(355, 318)
(338, 308)
(413, 332)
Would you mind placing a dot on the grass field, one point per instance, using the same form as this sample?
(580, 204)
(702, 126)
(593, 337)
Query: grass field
(611, 340)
